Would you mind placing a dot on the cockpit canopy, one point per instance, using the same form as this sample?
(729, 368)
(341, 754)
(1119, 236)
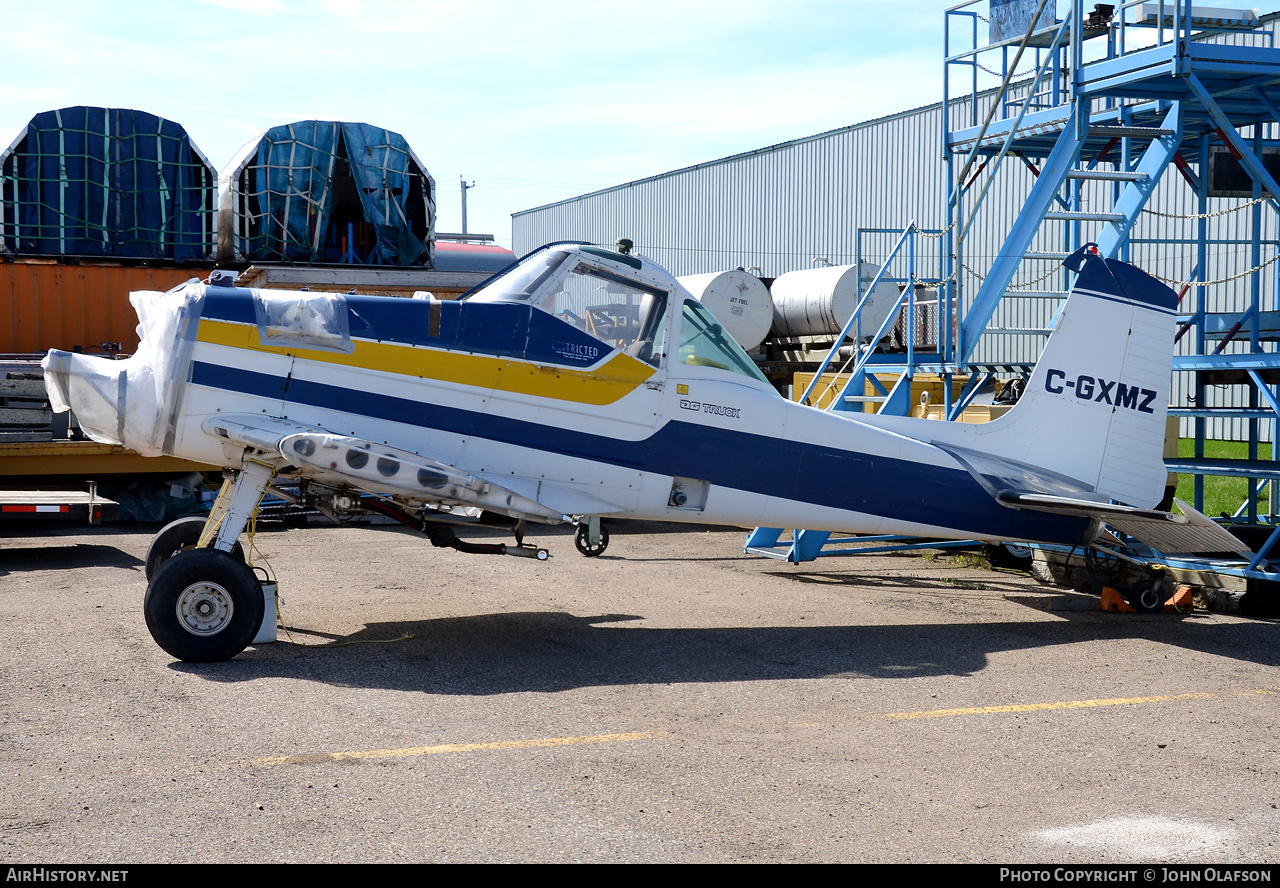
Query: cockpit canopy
(622, 301)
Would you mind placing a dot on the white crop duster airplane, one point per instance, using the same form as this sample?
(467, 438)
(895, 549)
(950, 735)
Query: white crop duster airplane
(588, 383)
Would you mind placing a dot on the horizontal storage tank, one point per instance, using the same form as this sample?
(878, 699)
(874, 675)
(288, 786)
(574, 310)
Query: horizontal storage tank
(106, 182)
(330, 192)
(820, 301)
(453, 256)
(739, 300)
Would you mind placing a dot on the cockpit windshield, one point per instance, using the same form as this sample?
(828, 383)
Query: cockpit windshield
(520, 284)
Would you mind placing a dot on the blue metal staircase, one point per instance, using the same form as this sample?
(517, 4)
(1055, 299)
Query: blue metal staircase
(1102, 107)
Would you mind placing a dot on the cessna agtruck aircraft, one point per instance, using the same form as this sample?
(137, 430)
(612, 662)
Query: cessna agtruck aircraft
(586, 383)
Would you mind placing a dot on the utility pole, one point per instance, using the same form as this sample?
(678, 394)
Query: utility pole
(465, 186)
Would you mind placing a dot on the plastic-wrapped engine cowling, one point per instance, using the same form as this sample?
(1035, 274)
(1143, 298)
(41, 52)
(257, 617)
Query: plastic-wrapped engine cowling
(132, 402)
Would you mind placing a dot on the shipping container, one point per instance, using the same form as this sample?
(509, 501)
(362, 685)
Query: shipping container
(85, 306)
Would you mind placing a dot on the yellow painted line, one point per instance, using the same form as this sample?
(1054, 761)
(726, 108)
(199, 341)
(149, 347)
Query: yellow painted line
(619, 376)
(322, 757)
(1071, 704)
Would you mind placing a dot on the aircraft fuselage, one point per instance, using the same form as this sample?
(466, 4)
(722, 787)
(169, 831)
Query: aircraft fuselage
(520, 397)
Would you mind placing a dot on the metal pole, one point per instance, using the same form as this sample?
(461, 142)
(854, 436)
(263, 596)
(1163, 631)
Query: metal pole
(463, 184)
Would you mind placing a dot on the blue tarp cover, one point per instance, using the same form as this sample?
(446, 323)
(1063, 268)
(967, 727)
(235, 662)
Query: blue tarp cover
(107, 182)
(293, 181)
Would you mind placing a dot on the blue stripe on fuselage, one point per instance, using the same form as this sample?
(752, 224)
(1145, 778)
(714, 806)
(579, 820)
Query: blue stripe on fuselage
(825, 476)
(512, 330)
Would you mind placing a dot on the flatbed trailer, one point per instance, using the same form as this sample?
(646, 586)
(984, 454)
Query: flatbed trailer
(42, 460)
(56, 505)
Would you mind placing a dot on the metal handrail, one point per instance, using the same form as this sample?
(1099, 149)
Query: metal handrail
(1072, 15)
(856, 318)
(1004, 86)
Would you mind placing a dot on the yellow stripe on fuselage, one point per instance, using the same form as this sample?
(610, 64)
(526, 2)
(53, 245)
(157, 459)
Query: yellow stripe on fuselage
(619, 376)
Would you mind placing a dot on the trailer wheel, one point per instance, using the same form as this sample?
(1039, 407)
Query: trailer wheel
(581, 541)
(176, 537)
(203, 605)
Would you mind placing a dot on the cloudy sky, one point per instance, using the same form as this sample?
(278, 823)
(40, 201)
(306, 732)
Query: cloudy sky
(534, 101)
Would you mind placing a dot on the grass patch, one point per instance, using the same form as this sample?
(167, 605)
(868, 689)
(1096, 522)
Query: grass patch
(973, 560)
(1220, 494)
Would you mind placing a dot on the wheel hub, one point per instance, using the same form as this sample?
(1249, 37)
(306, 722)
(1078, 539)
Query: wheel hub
(205, 608)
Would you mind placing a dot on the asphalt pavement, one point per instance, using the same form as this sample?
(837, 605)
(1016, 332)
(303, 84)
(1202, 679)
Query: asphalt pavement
(670, 700)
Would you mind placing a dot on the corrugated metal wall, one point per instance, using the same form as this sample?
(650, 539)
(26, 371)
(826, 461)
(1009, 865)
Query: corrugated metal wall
(779, 208)
(775, 209)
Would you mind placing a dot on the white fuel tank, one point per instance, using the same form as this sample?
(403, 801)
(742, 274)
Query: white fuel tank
(739, 301)
(820, 301)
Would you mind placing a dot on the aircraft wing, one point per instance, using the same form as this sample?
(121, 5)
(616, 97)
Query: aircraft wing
(377, 468)
(1021, 486)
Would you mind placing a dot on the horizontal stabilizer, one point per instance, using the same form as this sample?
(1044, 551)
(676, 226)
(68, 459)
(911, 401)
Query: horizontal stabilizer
(998, 474)
(1019, 485)
(1166, 532)
(1082, 507)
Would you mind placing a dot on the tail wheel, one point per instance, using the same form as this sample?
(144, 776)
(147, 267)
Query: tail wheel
(581, 539)
(203, 605)
(175, 537)
(1147, 597)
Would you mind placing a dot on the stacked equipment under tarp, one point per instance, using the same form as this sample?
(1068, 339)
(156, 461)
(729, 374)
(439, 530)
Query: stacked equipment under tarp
(106, 182)
(324, 191)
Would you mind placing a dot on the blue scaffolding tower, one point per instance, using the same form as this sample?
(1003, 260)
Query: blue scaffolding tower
(1095, 103)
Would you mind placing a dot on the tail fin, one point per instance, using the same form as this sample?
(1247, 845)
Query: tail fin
(1095, 407)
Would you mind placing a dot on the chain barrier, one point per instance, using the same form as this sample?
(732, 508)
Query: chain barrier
(921, 282)
(1225, 280)
(1169, 281)
(1244, 206)
(1019, 286)
(941, 233)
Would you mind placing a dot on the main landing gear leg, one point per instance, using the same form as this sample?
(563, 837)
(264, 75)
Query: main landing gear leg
(246, 492)
(206, 604)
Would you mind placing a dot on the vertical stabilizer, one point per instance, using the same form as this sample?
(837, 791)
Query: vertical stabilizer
(1095, 407)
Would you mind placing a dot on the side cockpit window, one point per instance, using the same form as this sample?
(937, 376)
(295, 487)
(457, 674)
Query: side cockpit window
(623, 313)
(704, 343)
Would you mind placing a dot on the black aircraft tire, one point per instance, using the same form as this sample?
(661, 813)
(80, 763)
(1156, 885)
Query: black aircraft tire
(176, 536)
(1147, 598)
(1015, 556)
(203, 606)
(590, 551)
